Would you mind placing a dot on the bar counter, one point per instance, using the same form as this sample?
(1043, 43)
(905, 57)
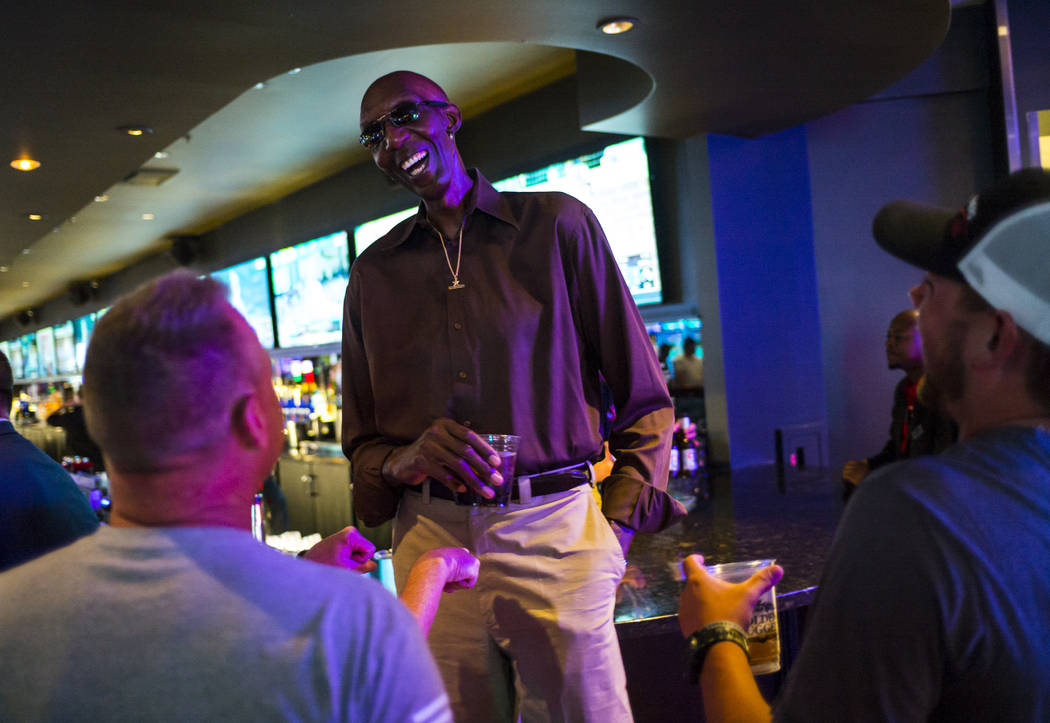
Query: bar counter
(747, 516)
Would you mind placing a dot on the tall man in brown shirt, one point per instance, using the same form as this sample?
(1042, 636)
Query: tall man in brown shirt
(494, 312)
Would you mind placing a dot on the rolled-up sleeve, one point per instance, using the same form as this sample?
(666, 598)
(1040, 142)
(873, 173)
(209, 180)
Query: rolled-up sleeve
(635, 491)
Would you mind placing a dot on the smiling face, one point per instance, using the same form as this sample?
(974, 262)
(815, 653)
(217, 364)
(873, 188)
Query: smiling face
(421, 155)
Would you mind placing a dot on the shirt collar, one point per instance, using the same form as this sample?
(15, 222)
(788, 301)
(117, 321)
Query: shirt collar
(482, 197)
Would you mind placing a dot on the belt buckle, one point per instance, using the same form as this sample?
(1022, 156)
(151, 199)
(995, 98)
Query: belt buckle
(524, 490)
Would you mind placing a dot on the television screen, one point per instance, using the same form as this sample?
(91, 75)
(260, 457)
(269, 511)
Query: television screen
(309, 282)
(65, 350)
(614, 182)
(250, 295)
(371, 231)
(81, 335)
(30, 358)
(45, 345)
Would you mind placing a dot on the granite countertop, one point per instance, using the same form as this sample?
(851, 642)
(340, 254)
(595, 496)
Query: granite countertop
(745, 517)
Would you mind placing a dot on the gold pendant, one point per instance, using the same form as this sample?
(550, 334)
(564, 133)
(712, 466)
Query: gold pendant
(455, 285)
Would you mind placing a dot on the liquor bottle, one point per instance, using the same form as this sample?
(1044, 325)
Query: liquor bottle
(675, 468)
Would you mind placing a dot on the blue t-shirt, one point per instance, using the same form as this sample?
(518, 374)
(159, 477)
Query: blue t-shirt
(935, 602)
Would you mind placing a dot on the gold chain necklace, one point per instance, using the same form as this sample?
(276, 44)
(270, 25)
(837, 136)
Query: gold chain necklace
(459, 256)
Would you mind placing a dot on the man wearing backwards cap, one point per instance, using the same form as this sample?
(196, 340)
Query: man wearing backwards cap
(945, 613)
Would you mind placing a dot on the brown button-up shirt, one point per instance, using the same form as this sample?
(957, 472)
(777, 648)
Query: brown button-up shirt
(543, 318)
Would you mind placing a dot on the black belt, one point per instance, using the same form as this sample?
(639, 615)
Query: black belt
(541, 484)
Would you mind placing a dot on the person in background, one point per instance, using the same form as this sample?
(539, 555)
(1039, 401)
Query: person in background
(933, 604)
(501, 313)
(70, 417)
(917, 427)
(688, 375)
(174, 611)
(41, 508)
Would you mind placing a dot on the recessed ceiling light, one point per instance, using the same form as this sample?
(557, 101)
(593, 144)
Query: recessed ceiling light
(102, 198)
(148, 217)
(160, 154)
(615, 26)
(26, 251)
(25, 164)
(3, 269)
(259, 86)
(295, 71)
(25, 285)
(34, 216)
(136, 130)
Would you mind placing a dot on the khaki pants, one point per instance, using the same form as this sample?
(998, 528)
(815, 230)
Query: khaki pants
(535, 636)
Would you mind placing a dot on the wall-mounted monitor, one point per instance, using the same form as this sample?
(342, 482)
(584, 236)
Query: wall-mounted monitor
(30, 358)
(309, 283)
(371, 231)
(65, 349)
(614, 183)
(82, 328)
(45, 345)
(250, 295)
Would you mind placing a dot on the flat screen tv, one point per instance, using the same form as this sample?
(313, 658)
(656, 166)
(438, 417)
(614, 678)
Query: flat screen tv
(45, 345)
(82, 328)
(250, 295)
(30, 358)
(309, 282)
(614, 182)
(65, 349)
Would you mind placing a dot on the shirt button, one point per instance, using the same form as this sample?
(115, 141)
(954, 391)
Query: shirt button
(462, 375)
(457, 326)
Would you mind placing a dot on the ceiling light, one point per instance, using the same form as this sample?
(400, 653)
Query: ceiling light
(259, 86)
(3, 269)
(136, 130)
(102, 198)
(25, 164)
(615, 26)
(295, 71)
(26, 251)
(148, 217)
(34, 216)
(160, 154)
(25, 285)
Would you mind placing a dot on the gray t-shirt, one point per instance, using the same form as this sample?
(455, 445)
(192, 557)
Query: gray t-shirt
(935, 602)
(205, 623)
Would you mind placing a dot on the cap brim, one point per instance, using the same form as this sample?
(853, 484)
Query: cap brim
(916, 233)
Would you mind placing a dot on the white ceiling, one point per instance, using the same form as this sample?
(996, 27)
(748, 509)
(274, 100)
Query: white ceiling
(72, 71)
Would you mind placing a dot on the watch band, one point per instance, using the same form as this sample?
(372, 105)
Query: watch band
(701, 641)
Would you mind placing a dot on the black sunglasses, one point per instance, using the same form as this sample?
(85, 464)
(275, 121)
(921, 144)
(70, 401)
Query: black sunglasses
(402, 115)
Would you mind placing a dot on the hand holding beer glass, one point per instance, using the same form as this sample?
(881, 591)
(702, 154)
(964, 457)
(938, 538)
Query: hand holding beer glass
(742, 593)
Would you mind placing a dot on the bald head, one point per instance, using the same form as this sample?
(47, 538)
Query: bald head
(905, 320)
(396, 84)
(903, 343)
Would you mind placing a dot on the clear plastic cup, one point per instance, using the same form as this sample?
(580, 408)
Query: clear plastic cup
(763, 634)
(506, 446)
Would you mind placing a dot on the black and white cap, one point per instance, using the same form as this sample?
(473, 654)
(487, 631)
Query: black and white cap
(999, 244)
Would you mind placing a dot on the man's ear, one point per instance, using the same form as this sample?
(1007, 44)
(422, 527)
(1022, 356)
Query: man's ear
(248, 422)
(1000, 339)
(455, 118)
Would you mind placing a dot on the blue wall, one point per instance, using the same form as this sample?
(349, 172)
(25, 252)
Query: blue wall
(767, 289)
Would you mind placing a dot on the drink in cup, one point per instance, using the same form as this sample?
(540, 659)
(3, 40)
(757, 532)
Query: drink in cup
(506, 446)
(763, 634)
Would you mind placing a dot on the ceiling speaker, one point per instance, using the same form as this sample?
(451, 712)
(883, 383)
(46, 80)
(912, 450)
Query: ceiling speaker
(186, 249)
(25, 318)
